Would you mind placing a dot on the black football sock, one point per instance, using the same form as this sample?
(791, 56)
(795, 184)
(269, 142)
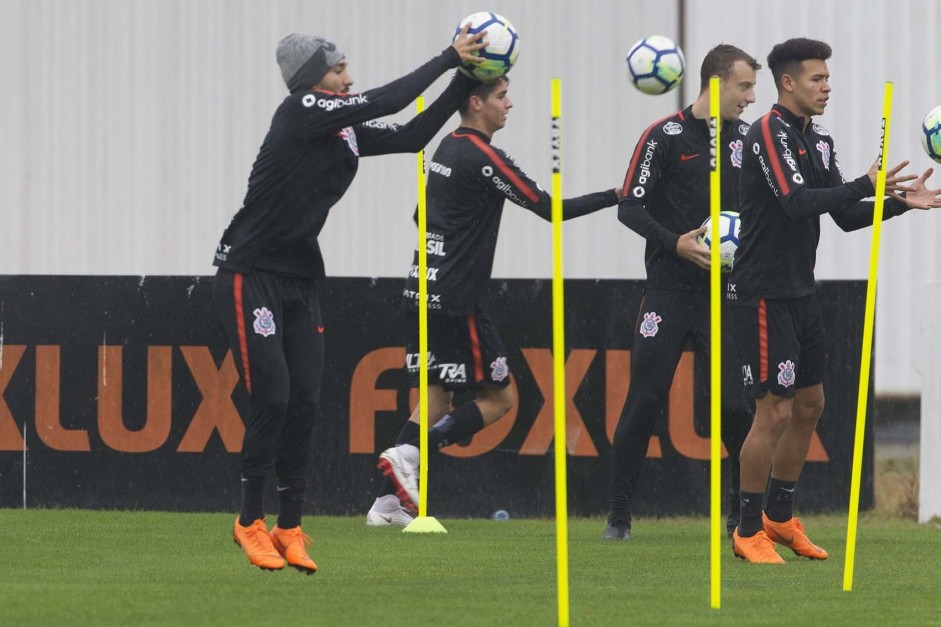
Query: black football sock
(461, 423)
(291, 496)
(408, 434)
(750, 524)
(253, 500)
(780, 506)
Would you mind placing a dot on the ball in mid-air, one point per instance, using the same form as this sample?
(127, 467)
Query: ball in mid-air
(730, 224)
(931, 134)
(655, 64)
(502, 47)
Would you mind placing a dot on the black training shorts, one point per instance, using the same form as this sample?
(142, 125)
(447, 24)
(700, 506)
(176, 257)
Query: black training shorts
(781, 343)
(466, 352)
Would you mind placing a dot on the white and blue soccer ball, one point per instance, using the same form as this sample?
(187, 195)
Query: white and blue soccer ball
(730, 224)
(655, 64)
(502, 47)
(931, 134)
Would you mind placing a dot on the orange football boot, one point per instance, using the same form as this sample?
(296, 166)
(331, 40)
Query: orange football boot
(757, 549)
(791, 534)
(290, 543)
(256, 543)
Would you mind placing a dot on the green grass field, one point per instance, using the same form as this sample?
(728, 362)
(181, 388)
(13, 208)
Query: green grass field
(76, 567)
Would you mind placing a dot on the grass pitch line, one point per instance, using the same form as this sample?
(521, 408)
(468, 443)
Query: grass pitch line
(558, 363)
(423, 523)
(715, 350)
(866, 360)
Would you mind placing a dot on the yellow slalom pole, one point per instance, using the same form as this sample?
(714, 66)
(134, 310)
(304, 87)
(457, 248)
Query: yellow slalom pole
(866, 361)
(715, 349)
(558, 361)
(423, 523)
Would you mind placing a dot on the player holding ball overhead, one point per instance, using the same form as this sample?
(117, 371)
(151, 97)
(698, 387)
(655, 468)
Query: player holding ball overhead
(268, 287)
(469, 182)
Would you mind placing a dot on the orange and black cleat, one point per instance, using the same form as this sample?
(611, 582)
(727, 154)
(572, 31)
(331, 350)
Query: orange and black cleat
(291, 544)
(791, 534)
(256, 543)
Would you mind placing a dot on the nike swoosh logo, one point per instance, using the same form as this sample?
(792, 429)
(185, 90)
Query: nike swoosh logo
(788, 489)
(385, 517)
(686, 157)
(280, 489)
(801, 151)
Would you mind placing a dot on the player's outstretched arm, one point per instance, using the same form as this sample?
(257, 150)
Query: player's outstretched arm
(574, 207)
(902, 198)
(382, 138)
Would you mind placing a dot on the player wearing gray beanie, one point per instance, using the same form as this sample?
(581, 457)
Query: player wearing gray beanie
(304, 59)
(268, 287)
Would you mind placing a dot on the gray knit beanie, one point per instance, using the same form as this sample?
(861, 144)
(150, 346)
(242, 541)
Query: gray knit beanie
(305, 59)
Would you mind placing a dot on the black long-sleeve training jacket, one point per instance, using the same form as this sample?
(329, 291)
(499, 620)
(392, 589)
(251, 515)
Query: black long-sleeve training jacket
(468, 182)
(666, 192)
(790, 177)
(309, 158)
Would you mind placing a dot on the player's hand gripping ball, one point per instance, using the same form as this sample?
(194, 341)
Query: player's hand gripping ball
(655, 65)
(502, 47)
(729, 226)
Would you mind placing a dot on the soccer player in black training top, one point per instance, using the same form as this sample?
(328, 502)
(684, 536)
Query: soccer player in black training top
(468, 181)
(666, 200)
(270, 266)
(790, 177)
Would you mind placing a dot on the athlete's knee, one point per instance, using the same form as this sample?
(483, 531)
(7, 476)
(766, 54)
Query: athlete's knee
(772, 413)
(635, 425)
(271, 396)
(269, 410)
(500, 400)
(809, 404)
(645, 398)
(641, 410)
(305, 401)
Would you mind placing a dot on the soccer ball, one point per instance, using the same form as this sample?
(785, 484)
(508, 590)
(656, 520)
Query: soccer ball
(502, 47)
(931, 133)
(729, 225)
(655, 64)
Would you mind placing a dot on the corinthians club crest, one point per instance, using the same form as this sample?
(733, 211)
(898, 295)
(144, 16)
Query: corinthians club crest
(736, 148)
(499, 369)
(824, 149)
(649, 327)
(264, 322)
(786, 376)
